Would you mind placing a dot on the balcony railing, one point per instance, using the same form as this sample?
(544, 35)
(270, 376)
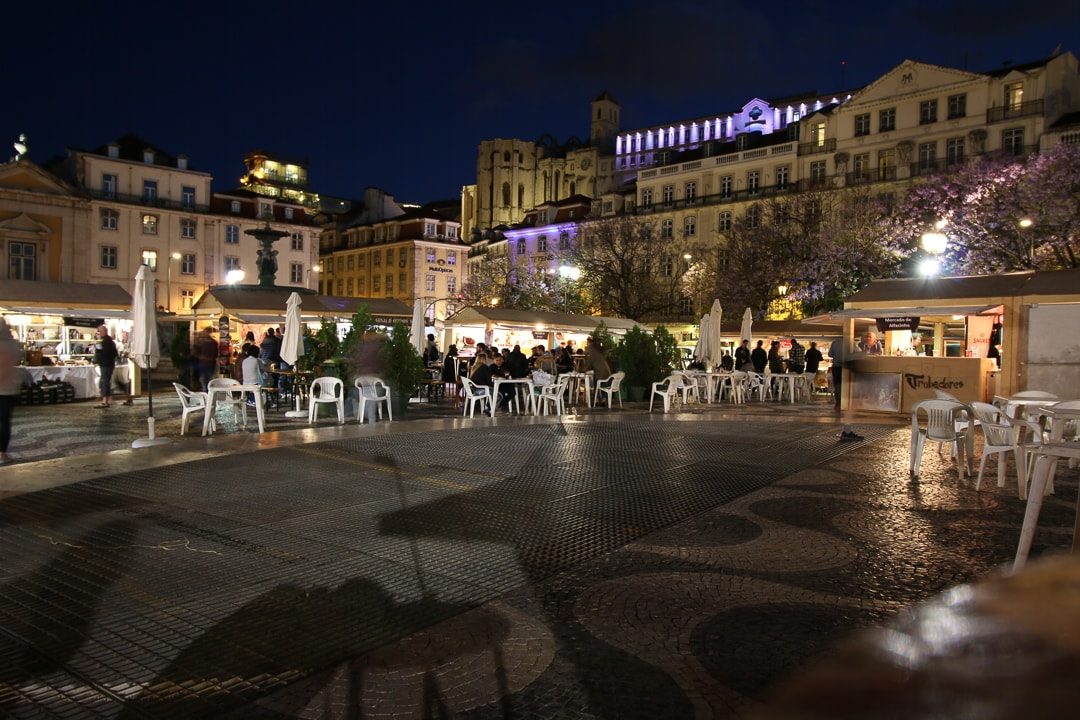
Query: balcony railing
(813, 148)
(1024, 109)
(151, 203)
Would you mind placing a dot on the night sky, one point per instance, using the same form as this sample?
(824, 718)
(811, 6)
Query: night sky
(397, 95)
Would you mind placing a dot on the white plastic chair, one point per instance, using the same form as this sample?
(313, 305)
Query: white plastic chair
(236, 399)
(940, 428)
(668, 389)
(610, 386)
(1046, 457)
(326, 390)
(1001, 434)
(756, 383)
(689, 386)
(371, 389)
(474, 394)
(555, 395)
(190, 402)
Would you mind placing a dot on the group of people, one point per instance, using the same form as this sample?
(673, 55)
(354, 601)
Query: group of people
(800, 359)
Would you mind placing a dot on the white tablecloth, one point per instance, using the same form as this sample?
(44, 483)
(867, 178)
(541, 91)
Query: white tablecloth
(84, 378)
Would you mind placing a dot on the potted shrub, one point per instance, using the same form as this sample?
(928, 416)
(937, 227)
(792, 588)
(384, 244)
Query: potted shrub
(637, 357)
(403, 368)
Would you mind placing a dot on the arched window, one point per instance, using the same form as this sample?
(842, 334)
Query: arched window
(506, 156)
(558, 184)
(506, 194)
(521, 196)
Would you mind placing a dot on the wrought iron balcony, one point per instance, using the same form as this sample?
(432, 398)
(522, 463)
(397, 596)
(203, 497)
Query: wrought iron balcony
(156, 202)
(813, 148)
(1024, 109)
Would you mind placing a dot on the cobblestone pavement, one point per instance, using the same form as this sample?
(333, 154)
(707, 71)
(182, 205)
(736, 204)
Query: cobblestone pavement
(606, 566)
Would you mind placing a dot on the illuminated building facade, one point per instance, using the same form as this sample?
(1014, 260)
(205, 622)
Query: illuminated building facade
(96, 215)
(542, 241)
(384, 250)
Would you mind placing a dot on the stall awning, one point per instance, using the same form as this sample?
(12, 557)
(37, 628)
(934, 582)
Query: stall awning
(104, 314)
(838, 317)
(505, 317)
(56, 298)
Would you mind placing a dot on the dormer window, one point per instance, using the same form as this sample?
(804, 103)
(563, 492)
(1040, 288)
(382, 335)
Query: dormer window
(114, 150)
(181, 162)
(234, 206)
(265, 210)
(148, 157)
(288, 213)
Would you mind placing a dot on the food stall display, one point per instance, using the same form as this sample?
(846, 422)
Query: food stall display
(503, 327)
(973, 337)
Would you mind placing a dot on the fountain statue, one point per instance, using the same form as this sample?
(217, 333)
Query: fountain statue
(266, 257)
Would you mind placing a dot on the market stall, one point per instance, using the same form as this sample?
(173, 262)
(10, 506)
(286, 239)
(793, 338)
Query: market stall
(57, 322)
(503, 327)
(950, 334)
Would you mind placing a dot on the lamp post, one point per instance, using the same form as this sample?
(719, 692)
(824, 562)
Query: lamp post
(1024, 224)
(168, 284)
(933, 243)
(313, 269)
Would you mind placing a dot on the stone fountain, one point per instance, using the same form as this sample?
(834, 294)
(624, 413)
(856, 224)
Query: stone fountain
(266, 258)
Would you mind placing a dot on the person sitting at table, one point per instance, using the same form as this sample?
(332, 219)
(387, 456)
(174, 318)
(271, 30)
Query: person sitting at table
(517, 364)
(251, 371)
(499, 370)
(727, 363)
(595, 359)
(564, 361)
(449, 366)
(481, 375)
(813, 358)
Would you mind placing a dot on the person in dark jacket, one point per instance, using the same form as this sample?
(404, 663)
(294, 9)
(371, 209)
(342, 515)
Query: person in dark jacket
(105, 357)
(449, 366)
(813, 358)
(205, 354)
(759, 357)
(517, 364)
(776, 363)
(742, 356)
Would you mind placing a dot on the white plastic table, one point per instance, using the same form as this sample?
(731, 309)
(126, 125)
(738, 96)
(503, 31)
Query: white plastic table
(211, 398)
(575, 378)
(789, 379)
(527, 382)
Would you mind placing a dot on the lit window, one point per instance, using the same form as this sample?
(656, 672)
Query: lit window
(108, 257)
(451, 257)
(429, 282)
(149, 224)
(149, 258)
(1014, 95)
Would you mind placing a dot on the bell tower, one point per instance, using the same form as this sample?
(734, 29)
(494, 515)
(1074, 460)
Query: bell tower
(604, 122)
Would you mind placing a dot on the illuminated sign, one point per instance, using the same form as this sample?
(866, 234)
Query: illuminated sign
(916, 382)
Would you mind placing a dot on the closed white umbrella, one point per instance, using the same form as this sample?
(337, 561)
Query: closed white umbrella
(701, 350)
(745, 332)
(143, 345)
(715, 349)
(292, 345)
(418, 326)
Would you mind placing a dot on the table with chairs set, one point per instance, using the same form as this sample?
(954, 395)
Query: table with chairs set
(1035, 427)
(735, 386)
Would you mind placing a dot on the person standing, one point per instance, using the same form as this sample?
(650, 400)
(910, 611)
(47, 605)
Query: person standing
(759, 357)
(742, 356)
(10, 386)
(776, 363)
(797, 357)
(813, 358)
(431, 350)
(105, 357)
(205, 354)
(595, 360)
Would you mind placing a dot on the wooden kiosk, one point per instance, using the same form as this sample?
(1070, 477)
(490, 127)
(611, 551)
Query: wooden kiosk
(1033, 318)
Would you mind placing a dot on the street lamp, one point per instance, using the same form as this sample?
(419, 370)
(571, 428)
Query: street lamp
(570, 274)
(313, 269)
(934, 244)
(168, 284)
(1025, 223)
(234, 276)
